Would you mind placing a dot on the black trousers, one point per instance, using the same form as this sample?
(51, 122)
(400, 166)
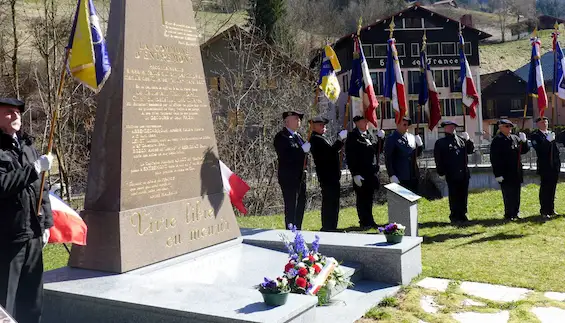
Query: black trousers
(294, 195)
(21, 280)
(411, 184)
(458, 194)
(511, 196)
(330, 206)
(364, 199)
(547, 193)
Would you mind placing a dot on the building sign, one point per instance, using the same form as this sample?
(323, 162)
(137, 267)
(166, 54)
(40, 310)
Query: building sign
(433, 61)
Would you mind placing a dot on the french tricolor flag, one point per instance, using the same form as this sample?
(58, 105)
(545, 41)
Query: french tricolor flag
(394, 83)
(536, 86)
(68, 226)
(361, 84)
(468, 89)
(235, 187)
(428, 91)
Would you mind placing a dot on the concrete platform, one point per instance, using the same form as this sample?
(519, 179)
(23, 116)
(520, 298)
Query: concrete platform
(206, 286)
(382, 262)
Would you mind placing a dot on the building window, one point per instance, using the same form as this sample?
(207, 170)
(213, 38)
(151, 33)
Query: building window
(380, 50)
(217, 83)
(429, 24)
(415, 50)
(468, 51)
(415, 113)
(388, 112)
(451, 107)
(413, 82)
(491, 108)
(455, 84)
(432, 49)
(439, 79)
(413, 22)
(378, 82)
(516, 105)
(457, 106)
(448, 49)
(368, 51)
(400, 49)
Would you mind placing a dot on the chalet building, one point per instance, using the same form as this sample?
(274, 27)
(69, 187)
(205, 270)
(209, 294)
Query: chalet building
(504, 96)
(547, 67)
(443, 54)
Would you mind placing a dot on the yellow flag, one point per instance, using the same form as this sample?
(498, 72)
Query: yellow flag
(329, 84)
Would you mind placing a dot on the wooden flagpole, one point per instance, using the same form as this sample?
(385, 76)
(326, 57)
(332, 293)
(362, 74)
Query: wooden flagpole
(54, 117)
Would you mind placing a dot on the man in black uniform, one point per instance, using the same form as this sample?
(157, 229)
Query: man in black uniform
(23, 233)
(505, 156)
(450, 154)
(326, 158)
(401, 151)
(291, 152)
(362, 151)
(548, 165)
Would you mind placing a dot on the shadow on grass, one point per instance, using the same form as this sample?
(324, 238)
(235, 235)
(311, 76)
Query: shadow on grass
(496, 237)
(535, 219)
(445, 237)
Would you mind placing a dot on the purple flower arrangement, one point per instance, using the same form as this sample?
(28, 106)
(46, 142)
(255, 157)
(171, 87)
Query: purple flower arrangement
(395, 229)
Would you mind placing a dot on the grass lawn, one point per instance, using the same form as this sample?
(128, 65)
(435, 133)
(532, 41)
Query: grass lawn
(529, 253)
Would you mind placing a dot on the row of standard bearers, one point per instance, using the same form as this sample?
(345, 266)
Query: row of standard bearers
(401, 149)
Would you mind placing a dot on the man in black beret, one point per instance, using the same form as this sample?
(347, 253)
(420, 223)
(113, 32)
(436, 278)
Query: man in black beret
(23, 230)
(292, 152)
(326, 159)
(362, 151)
(401, 151)
(450, 154)
(505, 156)
(548, 165)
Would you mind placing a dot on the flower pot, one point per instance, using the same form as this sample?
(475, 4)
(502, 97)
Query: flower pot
(275, 299)
(391, 238)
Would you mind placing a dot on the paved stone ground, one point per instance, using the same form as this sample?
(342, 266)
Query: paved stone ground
(493, 293)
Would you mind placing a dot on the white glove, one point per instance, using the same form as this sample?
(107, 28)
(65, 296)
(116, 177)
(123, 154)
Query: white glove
(380, 134)
(343, 134)
(465, 136)
(358, 180)
(306, 147)
(550, 136)
(442, 177)
(44, 163)
(499, 179)
(46, 236)
(394, 179)
(419, 141)
(522, 137)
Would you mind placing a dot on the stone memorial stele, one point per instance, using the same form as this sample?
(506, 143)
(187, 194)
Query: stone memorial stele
(403, 208)
(154, 185)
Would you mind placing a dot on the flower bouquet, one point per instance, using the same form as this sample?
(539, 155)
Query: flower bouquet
(393, 232)
(309, 272)
(275, 292)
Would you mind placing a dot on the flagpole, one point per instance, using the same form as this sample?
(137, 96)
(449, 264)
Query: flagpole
(555, 81)
(54, 117)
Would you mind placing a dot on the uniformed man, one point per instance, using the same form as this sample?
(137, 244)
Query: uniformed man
(362, 151)
(24, 230)
(326, 159)
(401, 150)
(450, 154)
(292, 156)
(548, 165)
(505, 156)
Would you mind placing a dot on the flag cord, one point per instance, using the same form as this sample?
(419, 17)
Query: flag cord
(54, 117)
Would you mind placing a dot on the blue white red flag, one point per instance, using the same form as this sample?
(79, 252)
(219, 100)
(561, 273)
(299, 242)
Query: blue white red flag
(468, 89)
(394, 82)
(558, 80)
(536, 86)
(361, 85)
(428, 91)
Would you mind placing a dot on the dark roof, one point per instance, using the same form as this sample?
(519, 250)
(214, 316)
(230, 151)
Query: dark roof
(546, 65)
(488, 79)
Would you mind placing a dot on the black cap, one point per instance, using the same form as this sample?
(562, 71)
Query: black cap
(357, 118)
(541, 118)
(292, 113)
(449, 123)
(12, 103)
(319, 119)
(505, 122)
